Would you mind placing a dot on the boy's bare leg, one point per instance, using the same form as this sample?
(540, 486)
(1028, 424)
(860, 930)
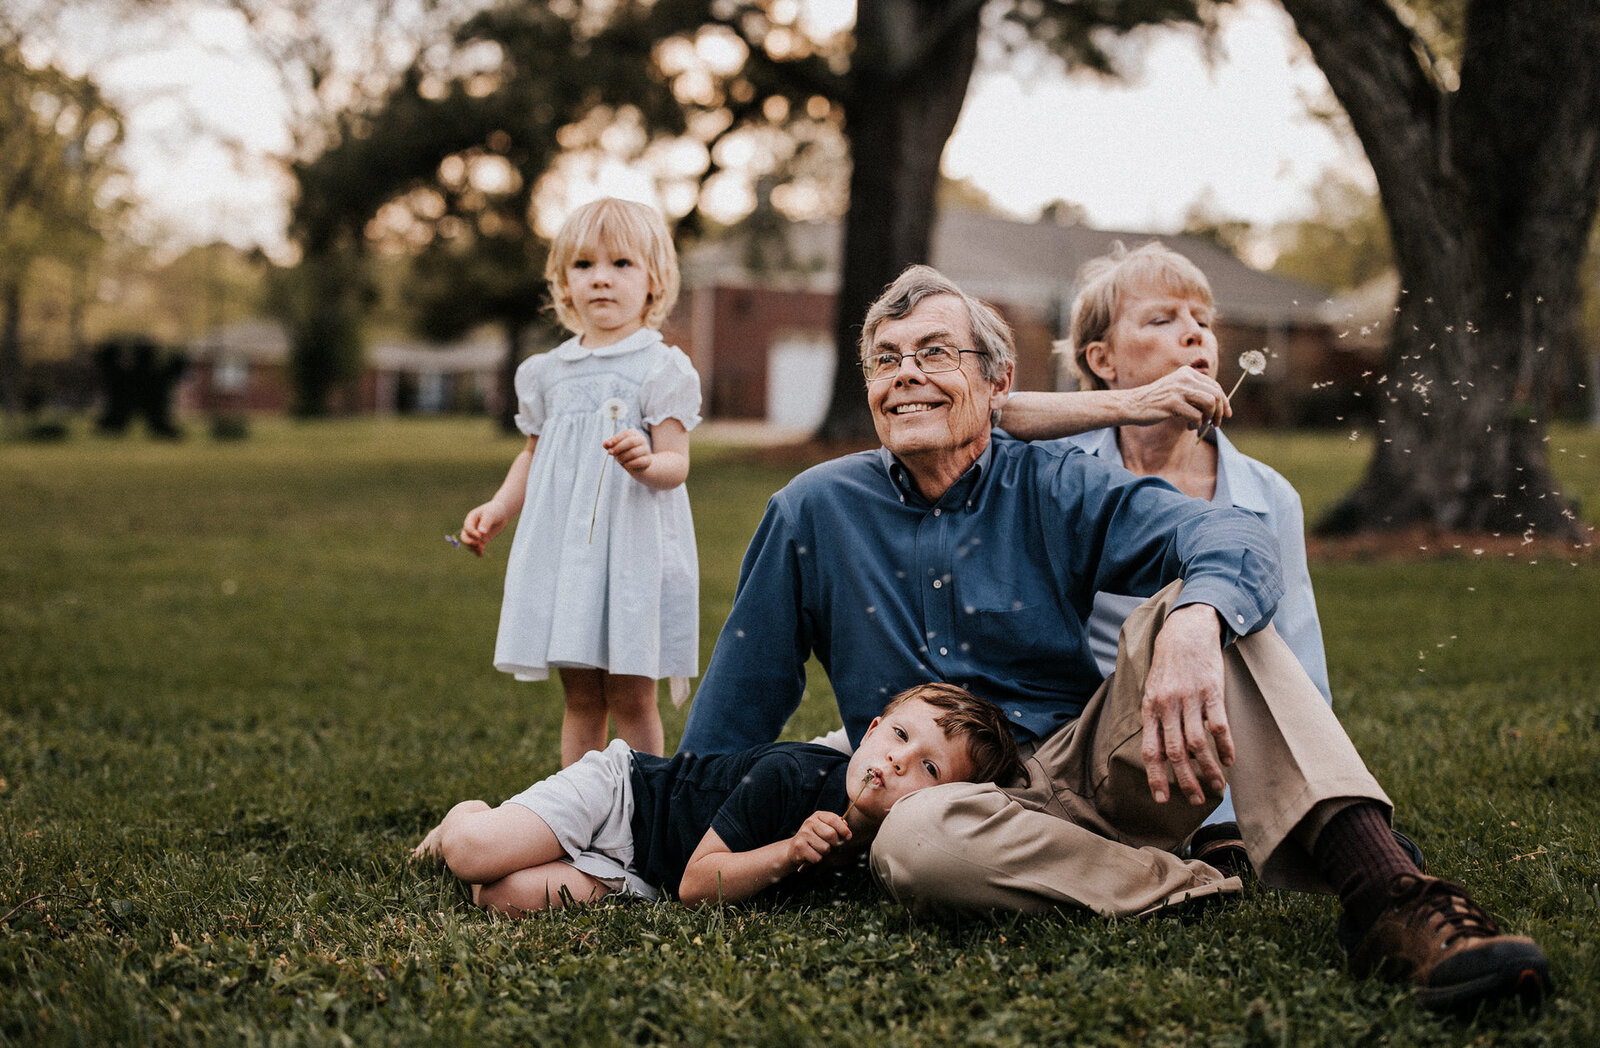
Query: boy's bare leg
(481, 844)
(550, 886)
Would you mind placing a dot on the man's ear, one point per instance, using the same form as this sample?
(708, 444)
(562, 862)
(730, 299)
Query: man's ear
(1002, 390)
(1098, 356)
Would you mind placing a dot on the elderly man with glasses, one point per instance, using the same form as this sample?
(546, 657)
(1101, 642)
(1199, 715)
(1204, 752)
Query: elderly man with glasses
(950, 555)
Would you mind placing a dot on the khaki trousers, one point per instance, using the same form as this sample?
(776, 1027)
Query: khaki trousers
(1084, 831)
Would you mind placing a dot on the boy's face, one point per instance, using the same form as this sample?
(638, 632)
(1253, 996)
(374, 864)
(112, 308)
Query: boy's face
(903, 751)
(1156, 332)
(610, 290)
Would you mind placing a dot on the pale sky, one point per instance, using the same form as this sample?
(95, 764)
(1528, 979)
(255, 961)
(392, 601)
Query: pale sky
(1135, 155)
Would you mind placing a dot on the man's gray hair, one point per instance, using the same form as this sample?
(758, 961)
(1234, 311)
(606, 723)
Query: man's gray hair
(991, 335)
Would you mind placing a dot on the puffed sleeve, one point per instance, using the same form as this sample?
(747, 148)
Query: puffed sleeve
(530, 396)
(671, 391)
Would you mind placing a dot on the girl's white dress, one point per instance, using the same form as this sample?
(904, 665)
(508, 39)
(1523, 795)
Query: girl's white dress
(626, 600)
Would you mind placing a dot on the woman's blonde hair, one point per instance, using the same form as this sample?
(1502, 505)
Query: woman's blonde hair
(1104, 281)
(624, 227)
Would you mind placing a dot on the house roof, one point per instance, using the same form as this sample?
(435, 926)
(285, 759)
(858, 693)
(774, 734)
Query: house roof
(1025, 264)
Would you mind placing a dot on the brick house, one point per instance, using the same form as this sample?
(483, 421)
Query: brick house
(759, 329)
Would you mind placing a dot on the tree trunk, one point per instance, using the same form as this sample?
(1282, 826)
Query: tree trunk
(1490, 191)
(506, 418)
(11, 351)
(908, 81)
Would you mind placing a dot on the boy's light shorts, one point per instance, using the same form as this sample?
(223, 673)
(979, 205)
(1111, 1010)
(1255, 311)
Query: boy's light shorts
(588, 805)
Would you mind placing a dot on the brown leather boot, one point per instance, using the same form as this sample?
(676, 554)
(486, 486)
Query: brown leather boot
(1433, 934)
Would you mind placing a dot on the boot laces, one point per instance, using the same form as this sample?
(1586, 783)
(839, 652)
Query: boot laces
(1445, 907)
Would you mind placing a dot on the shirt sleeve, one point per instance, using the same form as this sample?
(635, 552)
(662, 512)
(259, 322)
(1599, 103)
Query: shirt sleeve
(757, 672)
(530, 397)
(778, 794)
(1142, 532)
(672, 391)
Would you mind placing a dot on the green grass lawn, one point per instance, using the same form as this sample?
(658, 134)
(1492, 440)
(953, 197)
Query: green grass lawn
(238, 681)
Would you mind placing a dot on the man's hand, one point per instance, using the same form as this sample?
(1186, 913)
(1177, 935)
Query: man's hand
(1185, 725)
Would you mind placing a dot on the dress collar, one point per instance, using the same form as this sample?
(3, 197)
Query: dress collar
(572, 349)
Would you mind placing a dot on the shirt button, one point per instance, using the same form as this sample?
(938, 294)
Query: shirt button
(1240, 618)
(944, 651)
(938, 512)
(1017, 714)
(938, 584)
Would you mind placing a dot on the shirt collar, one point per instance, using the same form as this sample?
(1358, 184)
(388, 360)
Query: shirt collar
(1238, 485)
(1102, 443)
(572, 349)
(961, 491)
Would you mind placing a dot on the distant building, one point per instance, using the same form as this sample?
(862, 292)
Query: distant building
(758, 319)
(244, 367)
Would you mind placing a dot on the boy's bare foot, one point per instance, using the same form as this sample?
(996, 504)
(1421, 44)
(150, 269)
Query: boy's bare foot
(429, 848)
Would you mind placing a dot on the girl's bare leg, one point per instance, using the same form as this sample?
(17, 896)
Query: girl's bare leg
(583, 726)
(634, 709)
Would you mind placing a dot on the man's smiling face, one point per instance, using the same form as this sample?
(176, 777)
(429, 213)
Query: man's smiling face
(937, 425)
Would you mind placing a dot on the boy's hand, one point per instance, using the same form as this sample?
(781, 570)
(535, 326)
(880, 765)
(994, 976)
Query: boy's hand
(482, 524)
(819, 835)
(631, 449)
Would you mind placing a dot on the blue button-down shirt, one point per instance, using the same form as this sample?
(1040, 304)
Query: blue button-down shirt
(989, 587)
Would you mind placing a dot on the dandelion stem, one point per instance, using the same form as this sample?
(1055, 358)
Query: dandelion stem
(865, 781)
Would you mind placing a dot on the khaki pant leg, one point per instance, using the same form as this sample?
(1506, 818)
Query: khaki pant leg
(972, 847)
(1086, 831)
(1294, 765)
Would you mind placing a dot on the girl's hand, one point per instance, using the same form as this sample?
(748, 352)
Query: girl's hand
(819, 835)
(482, 524)
(631, 449)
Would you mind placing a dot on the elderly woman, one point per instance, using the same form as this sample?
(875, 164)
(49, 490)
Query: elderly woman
(1145, 350)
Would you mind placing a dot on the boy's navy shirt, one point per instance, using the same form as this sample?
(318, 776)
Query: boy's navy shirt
(751, 798)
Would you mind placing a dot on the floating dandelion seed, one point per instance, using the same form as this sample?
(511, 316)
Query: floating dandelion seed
(611, 409)
(1251, 362)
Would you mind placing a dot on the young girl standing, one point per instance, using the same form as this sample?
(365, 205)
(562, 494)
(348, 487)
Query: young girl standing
(602, 582)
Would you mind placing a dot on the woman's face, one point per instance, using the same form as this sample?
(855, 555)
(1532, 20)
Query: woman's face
(1155, 333)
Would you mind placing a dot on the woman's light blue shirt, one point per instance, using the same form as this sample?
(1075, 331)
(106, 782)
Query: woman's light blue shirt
(1257, 488)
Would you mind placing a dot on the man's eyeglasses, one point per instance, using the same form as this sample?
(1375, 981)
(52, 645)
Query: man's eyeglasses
(930, 361)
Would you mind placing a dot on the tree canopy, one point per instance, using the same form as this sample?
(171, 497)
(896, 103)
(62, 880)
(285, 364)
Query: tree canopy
(58, 158)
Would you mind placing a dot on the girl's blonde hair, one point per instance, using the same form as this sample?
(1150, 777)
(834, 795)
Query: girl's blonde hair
(624, 227)
(1104, 281)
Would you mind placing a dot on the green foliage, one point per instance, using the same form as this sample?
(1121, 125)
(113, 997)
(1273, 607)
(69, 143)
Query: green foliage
(58, 158)
(323, 300)
(1342, 245)
(238, 682)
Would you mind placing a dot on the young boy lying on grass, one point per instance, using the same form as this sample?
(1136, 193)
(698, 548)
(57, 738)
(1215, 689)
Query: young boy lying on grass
(721, 827)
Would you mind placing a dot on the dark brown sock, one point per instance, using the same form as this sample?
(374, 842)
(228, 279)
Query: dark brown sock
(1357, 854)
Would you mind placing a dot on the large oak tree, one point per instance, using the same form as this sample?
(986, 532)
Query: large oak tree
(1489, 178)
